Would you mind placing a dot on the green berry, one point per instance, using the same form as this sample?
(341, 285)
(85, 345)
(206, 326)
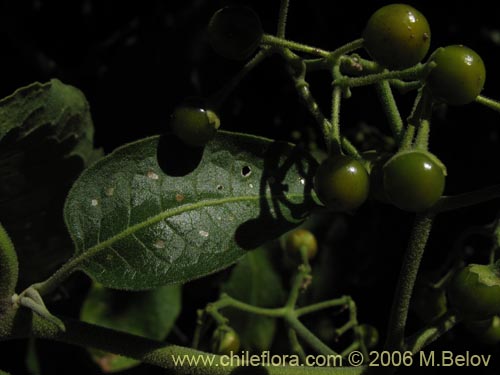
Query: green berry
(235, 32)
(414, 180)
(397, 36)
(194, 124)
(301, 238)
(475, 291)
(225, 341)
(459, 75)
(342, 183)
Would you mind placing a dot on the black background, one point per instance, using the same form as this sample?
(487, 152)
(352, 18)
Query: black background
(135, 61)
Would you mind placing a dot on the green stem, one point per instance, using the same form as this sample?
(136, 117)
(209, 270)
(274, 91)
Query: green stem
(273, 41)
(200, 323)
(298, 283)
(407, 140)
(349, 148)
(309, 337)
(298, 72)
(24, 324)
(282, 18)
(346, 48)
(317, 64)
(407, 276)
(334, 139)
(227, 301)
(454, 202)
(420, 118)
(218, 98)
(391, 110)
(490, 103)
(421, 339)
(422, 138)
(49, 285)
(411, 74)
(343, 301)
(295, 345)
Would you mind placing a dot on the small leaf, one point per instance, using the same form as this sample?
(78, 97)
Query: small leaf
(46, 137)
(136, 227)
(255, 282)
(150, 314)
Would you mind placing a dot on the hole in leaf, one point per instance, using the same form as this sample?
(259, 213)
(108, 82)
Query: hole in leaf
(246, 171)
(220, 187)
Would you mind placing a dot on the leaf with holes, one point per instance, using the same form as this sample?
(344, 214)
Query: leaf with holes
(154, 212)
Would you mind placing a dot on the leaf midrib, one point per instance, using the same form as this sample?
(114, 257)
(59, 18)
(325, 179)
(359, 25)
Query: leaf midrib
(90, 252)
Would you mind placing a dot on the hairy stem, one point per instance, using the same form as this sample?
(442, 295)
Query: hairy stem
(282, 18)
(487, 102)
(407, 276)
(273, 41)
(391, 109)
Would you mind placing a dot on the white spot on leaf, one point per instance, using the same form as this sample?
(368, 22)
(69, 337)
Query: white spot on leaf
(203, 233)
(94, 202)
(152, 175)
(159, 244)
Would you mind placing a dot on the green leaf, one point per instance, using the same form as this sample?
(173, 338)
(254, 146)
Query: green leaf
(150, 314)
(255, 282)
(3, 373)
(136, 227)
(9, 267)
(46, 137)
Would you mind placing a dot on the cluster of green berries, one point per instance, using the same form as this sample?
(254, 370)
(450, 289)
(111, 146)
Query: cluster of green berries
(411, 180)
(396, 36)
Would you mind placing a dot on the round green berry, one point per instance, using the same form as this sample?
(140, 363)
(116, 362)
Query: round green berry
(397, 36)
(301, 238)
(459, 75)
(475, 291)
(225, 341)
(414, 180)
(194, 124)
(235, 32)
(342, 183)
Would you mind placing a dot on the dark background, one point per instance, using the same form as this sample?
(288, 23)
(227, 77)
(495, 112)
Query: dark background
(135, 61)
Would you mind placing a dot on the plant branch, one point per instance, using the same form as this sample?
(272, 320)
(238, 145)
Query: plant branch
(219, 97)
(343, 301)
(391, 109)
(273, 41)
(283, 13)
(426, 336)
(334, 138)
(407, 276)
(310, 338)
(454, 202)
(22, 324)
(487, 102)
